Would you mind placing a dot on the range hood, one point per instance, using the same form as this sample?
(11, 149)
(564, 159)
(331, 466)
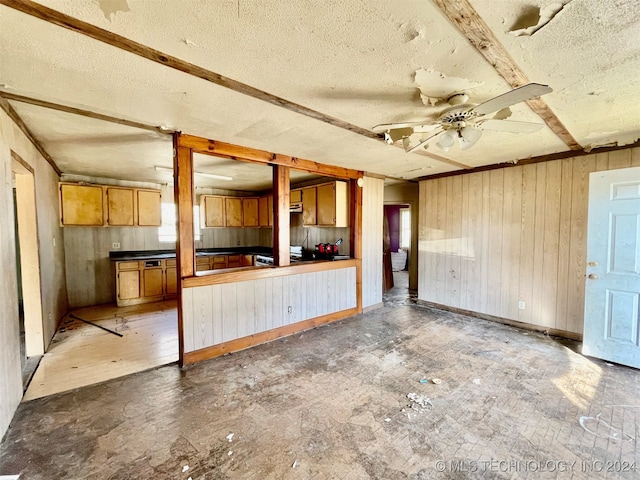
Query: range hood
(295, 207)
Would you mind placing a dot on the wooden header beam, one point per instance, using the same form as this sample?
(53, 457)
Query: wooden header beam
(235, 152)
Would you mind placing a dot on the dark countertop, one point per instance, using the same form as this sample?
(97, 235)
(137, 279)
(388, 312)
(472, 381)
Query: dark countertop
(123, 256)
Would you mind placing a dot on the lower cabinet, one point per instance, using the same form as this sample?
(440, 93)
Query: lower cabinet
(218, 262)
(145, 281)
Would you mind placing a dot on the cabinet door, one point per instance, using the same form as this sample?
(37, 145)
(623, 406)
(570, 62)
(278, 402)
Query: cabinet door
(219, 262)
(295, 196)
(120, 206)
(234, 261)
(81, 205)
(309, 216)
(128, 284)
(247, 260)
(149, 208)
(152, 282)
(171, 281)
(202, 264)
(233, 208)
(263, 211)
(326, 204)
(270, 201)
(250, 212)
(213, 211)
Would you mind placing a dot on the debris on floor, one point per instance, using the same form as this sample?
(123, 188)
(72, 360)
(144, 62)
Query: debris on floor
(419, 402)
(185, 468)
(437, 381)
(477, 381)
(230, 437)
(424, 380)
(295, 464)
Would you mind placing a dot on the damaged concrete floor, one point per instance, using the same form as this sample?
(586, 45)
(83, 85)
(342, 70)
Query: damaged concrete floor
(332, 403)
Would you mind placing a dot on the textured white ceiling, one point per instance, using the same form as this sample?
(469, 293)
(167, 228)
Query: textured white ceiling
(353, 60)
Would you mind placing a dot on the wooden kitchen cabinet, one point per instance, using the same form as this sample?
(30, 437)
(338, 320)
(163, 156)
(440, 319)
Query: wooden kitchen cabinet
(233, 210)
(212, 211)
(149, 208)
(309, 208)
(81, 205)
(170, 278)
(333, 205)
(145, 281)
(234, 261)
(295, 196)
(102, 205)
(153, 281)
(250, 212)
(218, 262)
(120, 206)
(263, 211)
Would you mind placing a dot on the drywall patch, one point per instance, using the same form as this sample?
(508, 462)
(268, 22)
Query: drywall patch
(532, 19)
(111, 7)
(435, 86)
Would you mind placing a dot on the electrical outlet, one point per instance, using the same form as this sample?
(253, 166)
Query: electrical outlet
(115, 245)
(521, 305)
(290, 309)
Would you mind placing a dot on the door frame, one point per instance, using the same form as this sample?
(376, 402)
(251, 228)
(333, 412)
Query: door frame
(29, 255)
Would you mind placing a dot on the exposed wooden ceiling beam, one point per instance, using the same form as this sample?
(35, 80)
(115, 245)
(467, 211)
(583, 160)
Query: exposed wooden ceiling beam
(62, 20)
(4, 104)
(82, 112)
(471, 26)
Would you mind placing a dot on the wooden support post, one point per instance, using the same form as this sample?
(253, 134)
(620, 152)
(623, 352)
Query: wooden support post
(355, 234)
(281, 216)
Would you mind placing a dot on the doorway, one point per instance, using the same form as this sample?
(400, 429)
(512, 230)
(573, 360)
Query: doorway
(397, 251)
(27, 267)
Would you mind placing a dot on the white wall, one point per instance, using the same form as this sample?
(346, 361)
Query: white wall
(52, 278)
(372, 217)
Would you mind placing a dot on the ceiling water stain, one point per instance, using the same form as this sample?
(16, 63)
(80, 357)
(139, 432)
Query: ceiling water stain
(111, 7)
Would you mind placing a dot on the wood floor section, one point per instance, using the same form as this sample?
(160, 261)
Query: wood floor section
(81, 354)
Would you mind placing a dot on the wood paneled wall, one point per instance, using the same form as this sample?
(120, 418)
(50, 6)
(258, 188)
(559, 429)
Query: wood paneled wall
(372, 216)
(51, 255)
(488, 240)
(214, 314)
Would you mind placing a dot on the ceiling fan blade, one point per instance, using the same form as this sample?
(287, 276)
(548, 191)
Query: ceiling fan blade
(516, 95)
(510, 126)
(424, 142)
(393, 126)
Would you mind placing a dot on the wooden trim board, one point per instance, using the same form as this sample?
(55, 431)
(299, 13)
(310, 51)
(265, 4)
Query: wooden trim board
(82, 112)
(8, 109)
(504, 321)
(246, 274)
(263, 337)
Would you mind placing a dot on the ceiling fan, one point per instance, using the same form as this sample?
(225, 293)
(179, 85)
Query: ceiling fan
(464, 121)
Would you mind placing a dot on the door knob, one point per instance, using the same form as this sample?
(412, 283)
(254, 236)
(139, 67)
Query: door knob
(593, 276)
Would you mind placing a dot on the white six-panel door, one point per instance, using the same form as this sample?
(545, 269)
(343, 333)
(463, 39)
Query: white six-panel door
(612, 295)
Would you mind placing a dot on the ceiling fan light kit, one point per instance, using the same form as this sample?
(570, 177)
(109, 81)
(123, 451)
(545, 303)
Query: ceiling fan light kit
(464, 120)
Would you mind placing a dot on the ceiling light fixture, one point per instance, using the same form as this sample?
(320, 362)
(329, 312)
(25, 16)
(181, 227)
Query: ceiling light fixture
(203, 174)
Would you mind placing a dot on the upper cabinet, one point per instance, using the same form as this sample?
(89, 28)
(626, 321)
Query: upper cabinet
(326, 205)
(222, 211)
(250, 212)
(295, 196)
(81, 205)
(149, 208)
(101, 205)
